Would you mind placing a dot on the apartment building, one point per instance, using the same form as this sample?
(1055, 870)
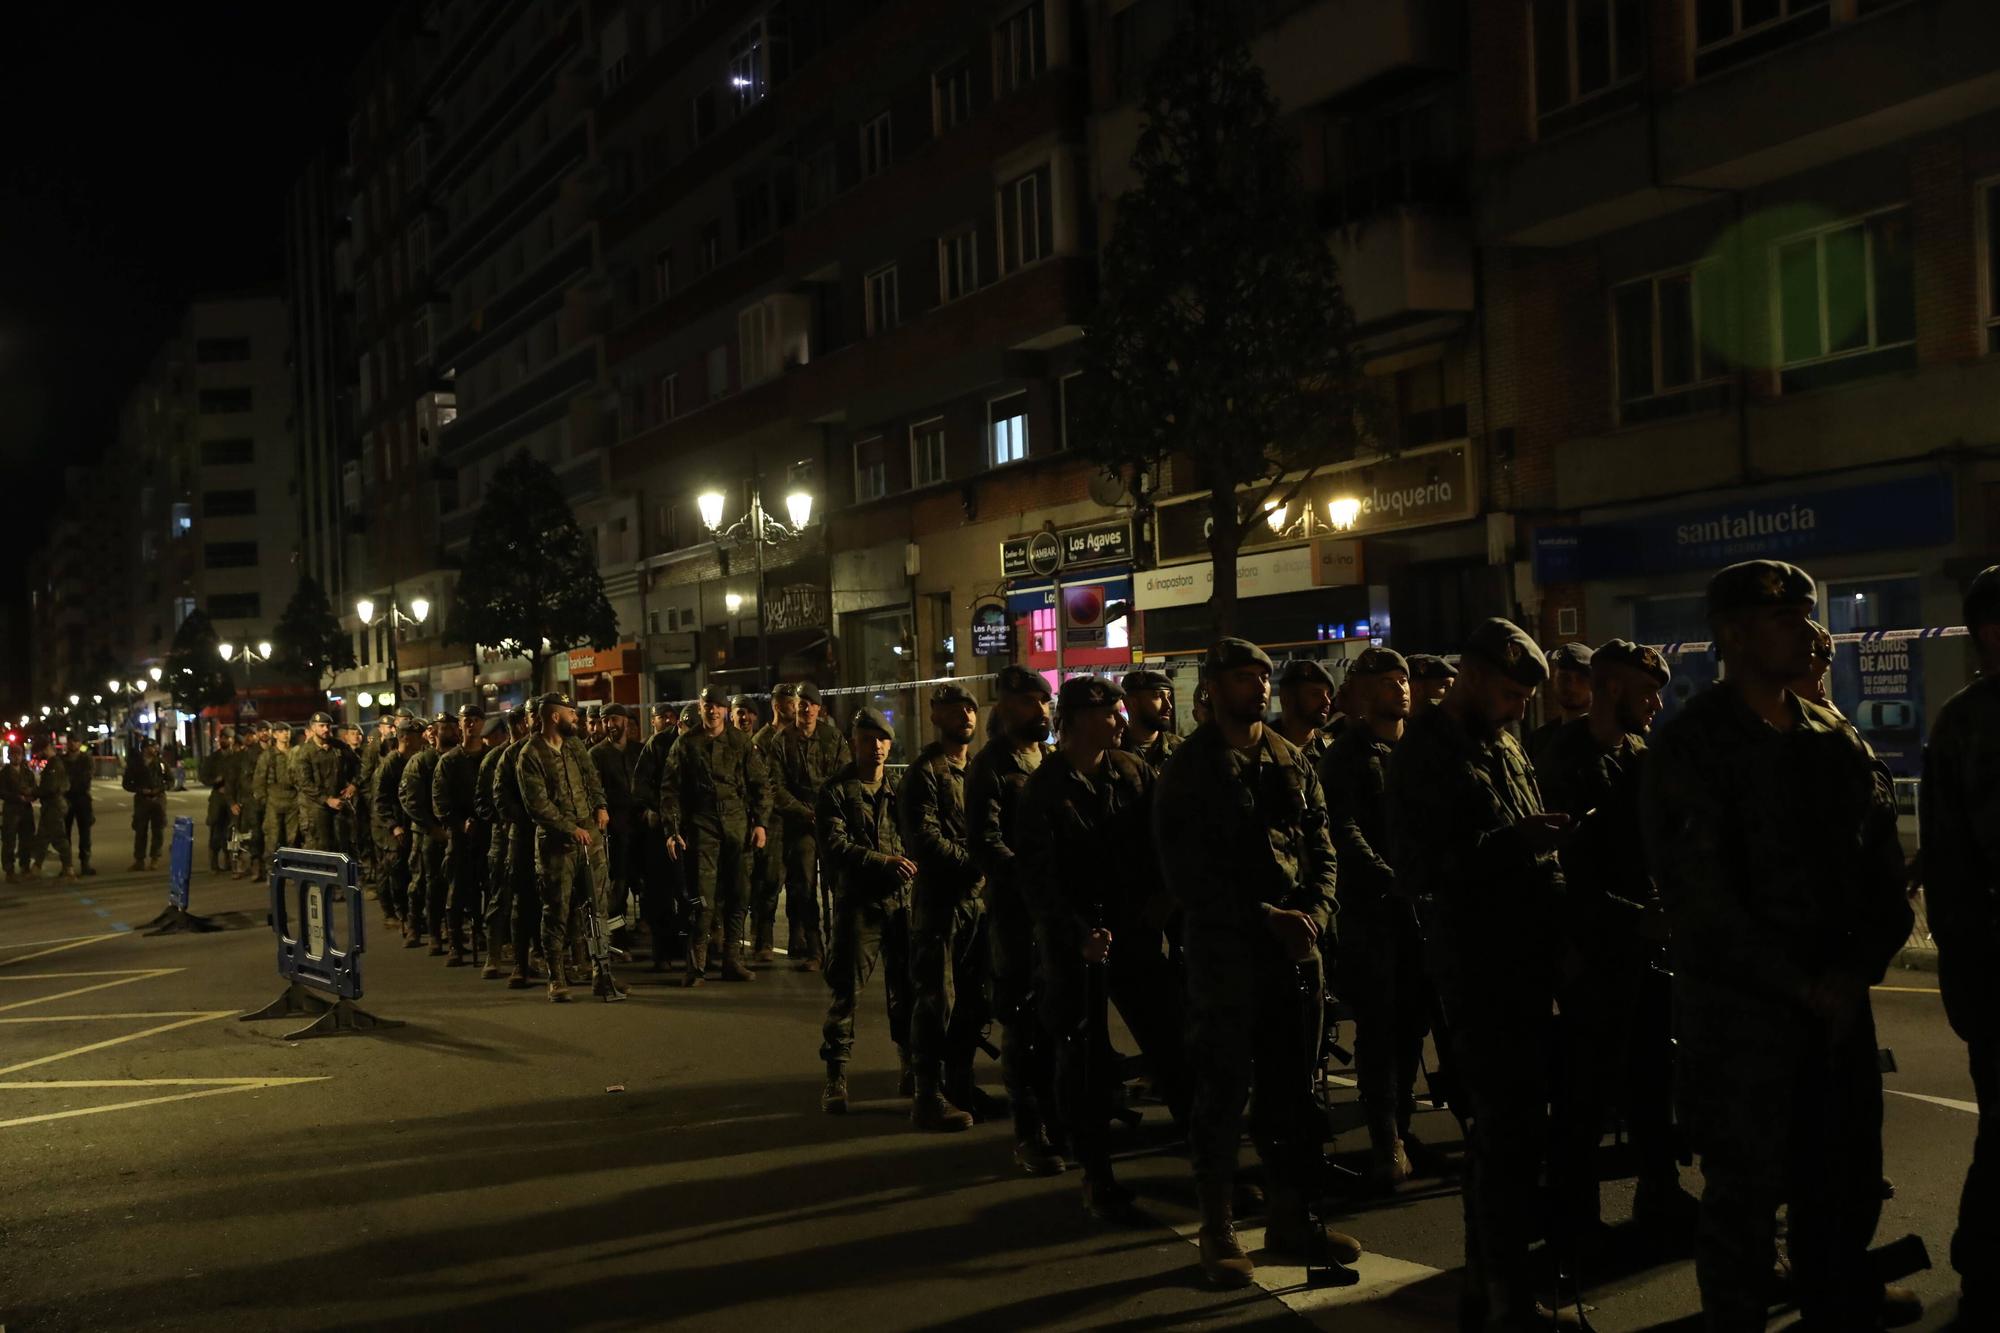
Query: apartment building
(1738, 267)
(319, 300)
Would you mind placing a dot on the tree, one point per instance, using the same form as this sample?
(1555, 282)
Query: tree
(1221, 332)
(530, 585)
(308, 642)
(196, 677)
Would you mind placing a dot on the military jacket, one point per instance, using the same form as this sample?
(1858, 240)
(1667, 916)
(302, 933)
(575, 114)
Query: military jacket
(455, 787)
(485, 794)
(1608, 885)
(317, 772)
(416, 794)
(18, 785)
(650, 767)
(615, 765)
(800, 765)
(507, 783)
(53, 788)
(78, 767)
(1155, 753)
(717, 778)
(1084, 845)
(371, 757)
(1960, 812)
(1354, 775)
(553, 787)
(993, 783)
(1775, 851)
(387, 805)
(215, 772)
(593, 786)
(858, 839)
(931, 815)
(273, 780)
(1240, 834)
(147, 782)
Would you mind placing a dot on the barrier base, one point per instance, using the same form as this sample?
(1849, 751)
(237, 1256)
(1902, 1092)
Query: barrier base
(333, 1016)
(179, 921)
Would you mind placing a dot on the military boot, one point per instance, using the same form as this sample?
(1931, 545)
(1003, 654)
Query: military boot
(906, 1079)
(1294, 1233)
(833, 1098)
(733, 969)
(929, 1111)
(136, 865)
(558, 988)
(605, 987)
(491, 972)
(518, 978)
(1223, 1261)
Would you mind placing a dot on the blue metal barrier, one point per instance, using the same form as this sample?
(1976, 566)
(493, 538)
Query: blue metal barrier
(175, 919)
(315, 957)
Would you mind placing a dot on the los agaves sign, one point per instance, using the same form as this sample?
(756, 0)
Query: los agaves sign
(1089, 544)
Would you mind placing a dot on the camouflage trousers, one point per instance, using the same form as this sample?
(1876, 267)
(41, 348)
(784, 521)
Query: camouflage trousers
(802, 906)
(718, 862)
(564, 873)
(428, 883)
(392, 875)
(17, 835)
(1027, 1050)
(52, 831)
(865, 934)
(950, 998)
(149, 826)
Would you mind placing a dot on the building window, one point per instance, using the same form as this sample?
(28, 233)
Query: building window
(1071, 388)
(753, 343)
(711, 244)
(211, 351)
(753, 210)
(958, 265)
(819, 178)
(1664, 330)
(667, 389)
(1989, 209)
(235, 606)
(1846, 298)
(951, 96)
(228, 453)
(718, 373)
(219, 402)
(1025, 221)
(229, 555)
(1584, 49)
(881, 292)
(756, 58)
(703, 114)
(871, 470)
(1007, 429)
(228, 504)
(1727, 32)
(927, 452)
(877, 148)
(1018, 54)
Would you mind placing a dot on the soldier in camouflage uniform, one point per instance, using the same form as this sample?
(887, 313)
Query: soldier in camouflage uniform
(862, 850)
(455, 798)
(1473, 847)
(1430, 680)
(1242, 833)
(659, 877)
(1149, 713)
(429, 840)
(217, 769)
(769, 871)
(615, 758)
(277, 793)
(808, 754)
(1960, 810)
(318, 778)
(52, 830)
(246, 820)
(559, 791)
(501, 732)
(1772, 837)
(715, 803)
(372, 752)
(1305, 707)
(993, 783)
(17, 812)
(392, 826)
(523, 925)
(147, 779)
(1566, 699)
(79, 765)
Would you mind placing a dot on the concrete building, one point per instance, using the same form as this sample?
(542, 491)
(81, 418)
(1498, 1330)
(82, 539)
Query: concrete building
(319, 298)
(1737, 273)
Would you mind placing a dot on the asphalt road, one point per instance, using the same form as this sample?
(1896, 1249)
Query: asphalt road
(165, 1166)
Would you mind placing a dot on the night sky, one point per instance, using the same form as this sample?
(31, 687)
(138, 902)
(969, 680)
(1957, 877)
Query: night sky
(145, 154)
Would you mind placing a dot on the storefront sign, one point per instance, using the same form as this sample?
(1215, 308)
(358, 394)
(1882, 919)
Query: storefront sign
(1880, 687)
(796, 606)
(1336, 563)
(591, 661)
(1258, 574)
(992, 631)
(1885, 515)
(1415, 489)
(1043, 553)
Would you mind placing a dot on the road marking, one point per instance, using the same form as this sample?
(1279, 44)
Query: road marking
(94, 1018)
(59, 939)
(1971, 1108)
(273, 1081)
(117, 1041)
(1379, 1276)
(143, 1101)
(1908, 990)
(77, 943)
(124, 980)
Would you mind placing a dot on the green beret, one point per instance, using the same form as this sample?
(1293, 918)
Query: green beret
(1017, 679)
(401, 712)
(715, 694)
(1145, 678)
(808, 692)
(1429, 666)
(1755, 583)
(1506, 647)
(1080, 692)
(495, 726)
(1228, 654)
(743, 701)
(1640, 657)
(951, 692)
(1305, 671)
(1378, 662)
(871, 719)
(1982, 599)
(784, 689)
(1570, 657)
(617, 710)
(665, 710)
(471, 710)
(409, 726)
(321, 717)
(552, 700)
(444, 720)
(282, 729)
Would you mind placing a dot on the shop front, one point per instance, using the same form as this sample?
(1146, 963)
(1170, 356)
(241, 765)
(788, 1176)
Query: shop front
(1068, 598)
(604, 675)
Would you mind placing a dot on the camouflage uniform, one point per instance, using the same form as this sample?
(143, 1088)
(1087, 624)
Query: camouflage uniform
(486, 808)
(558, 799)
(217, 769)
(948, 952)
(659, 875)
(148, 783)
(455, 797)
(1775, 852)
(803, 765)
(615, 765)
(278, 794)
(713, 794)
(78, 764)
(516, 833)
(871, 914)
(1155, 752)
(768, 869)
(317, 778)
(392, 861)
(17, 816)
(52, 831)
(429, 843)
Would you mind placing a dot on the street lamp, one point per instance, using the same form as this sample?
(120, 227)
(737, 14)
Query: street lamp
(733, 602)
(419, 612)
(1343, 511)
(758, 527)
(154, 672)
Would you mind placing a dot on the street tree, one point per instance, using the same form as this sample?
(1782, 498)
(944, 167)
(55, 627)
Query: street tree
(196, 676)
(1221, 333)
(530, 585)
(308, 641)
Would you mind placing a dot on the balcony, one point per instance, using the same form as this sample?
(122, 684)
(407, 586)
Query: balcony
(1908, 70)
(522, 300)
(514, 202)
(541, 398)
(1404, 265)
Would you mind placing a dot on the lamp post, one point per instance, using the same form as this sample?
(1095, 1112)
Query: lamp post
(246, 654)
(419, 612)
(761, 530)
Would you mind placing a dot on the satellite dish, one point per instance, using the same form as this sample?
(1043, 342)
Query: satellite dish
(1109, 490)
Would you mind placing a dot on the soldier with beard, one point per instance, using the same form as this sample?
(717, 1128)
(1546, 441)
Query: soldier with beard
(1616, 1013)
(1149, 717)
(993, 784)
(1430, 680)
(807, 755)
(1305, 707)
(660, 876)
(769, 872)
(1567, 697)
(715, 803)
(560, 792)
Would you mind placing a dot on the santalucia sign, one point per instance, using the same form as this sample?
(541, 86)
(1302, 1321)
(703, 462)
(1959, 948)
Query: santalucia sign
(1412, 490)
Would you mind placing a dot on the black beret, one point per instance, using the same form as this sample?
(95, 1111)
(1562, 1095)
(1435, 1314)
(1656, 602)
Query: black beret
(553, 699)
(1227, 654)
(871, 719)
(665, 710)
(715, 694)
(743, 701)
(617, 710)
(784, 689)
(1982, 599)
(1570, 657)
(409, 726)
(1505, 646)
(1756, 583)
(471, 710)
(1017, 679)
(495, 726)
(1305, 671)
(953, 693)
(1079, 692)
(1640, 657)
(401, 712)
(444, 720)
(282, 728)
(1429, 666)
(1145, 678)
(321, 717)
(808, 692)
(1378, 662)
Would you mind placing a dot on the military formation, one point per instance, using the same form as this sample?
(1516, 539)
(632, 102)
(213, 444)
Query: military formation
(1590, 926)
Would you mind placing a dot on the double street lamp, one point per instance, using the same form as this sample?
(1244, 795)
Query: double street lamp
(758, 527)
(419, 612)
(245, 654)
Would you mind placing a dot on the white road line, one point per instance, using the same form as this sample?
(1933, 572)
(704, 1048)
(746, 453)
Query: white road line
(1379, 1276)
(106, 972)
(80, 990)
(96, 1018)
(128, 1106)
(1971, 1108)
(261, 1082)
(77, 943)
(116, 1041)
(60, 939)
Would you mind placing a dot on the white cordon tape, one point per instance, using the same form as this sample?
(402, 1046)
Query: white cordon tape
(1855, 636)
(892, 686)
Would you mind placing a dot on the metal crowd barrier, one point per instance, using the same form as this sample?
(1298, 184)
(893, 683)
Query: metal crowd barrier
(313, 958)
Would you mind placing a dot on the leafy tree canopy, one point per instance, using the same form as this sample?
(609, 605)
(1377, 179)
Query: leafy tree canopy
(308, 641)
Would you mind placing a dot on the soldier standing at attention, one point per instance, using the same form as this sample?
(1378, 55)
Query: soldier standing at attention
(768, 878)
(1149, 717)
(347, 827)
(78, 816)
(1430, 680)
(148, 781)
(1473, 847)
(316, 774)
(808, 756)
(863, 851)
(1568, 695)
(1772, 838)
(715, 804)
(1960, 810)
(244, 818)
(948, 988)
(392, 826)
(1305, 707)
(217, 768)
(17, 812)
(657, 894)
(455, 798)
(615, 757)
(558, 800)
(1087, 864)
(277, 792)
(428, 837)
(1381, 966)
(372, 752)
(1616, 1012)
(1241, 829)
(993, 783)
(518, 831)
(52, 790)
(502, 731)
